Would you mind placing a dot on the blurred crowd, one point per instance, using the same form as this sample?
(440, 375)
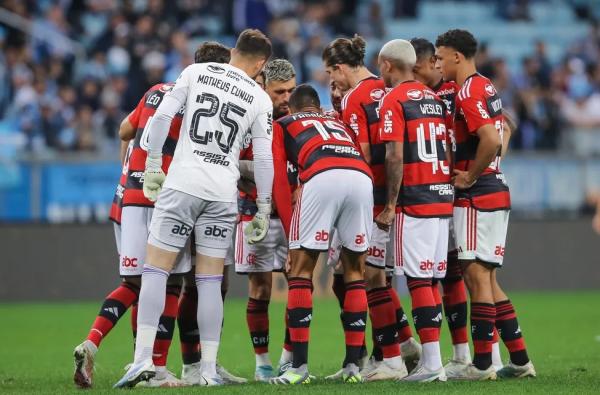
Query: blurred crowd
(85, 63)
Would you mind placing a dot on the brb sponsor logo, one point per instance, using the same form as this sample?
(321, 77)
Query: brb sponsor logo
(129, 262)
(181, 230)
(216, 231)
(322, 235)
(375, 252)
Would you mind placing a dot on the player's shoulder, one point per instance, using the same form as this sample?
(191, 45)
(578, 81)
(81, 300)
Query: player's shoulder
(447, 88)
(369, 90)
(161, 87)
(476, 86)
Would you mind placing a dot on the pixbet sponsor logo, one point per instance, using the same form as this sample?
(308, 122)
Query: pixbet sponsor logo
(129, 262)
(322, 235)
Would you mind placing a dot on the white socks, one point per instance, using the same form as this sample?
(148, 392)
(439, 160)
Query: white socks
(496, 357)
(150, 307)
(263, 359)
(461, 352)
(432, 357)
(210, 319)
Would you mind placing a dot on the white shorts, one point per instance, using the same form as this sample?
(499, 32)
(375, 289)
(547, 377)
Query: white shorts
(134, 230)
(380, 253)
(422, 246)
(480, 235)
(337, 198)
(176, 214)
(269, 255)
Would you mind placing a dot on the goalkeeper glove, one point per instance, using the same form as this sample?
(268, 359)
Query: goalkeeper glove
(154, 177)
(259, 226)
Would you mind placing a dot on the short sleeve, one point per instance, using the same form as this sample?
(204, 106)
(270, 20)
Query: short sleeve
(391, 121)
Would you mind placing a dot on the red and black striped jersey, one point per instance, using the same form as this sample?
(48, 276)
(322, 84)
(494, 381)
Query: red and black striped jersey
(360, 111)
(414, 115)
(130, 191)
(478, 104)
(315, 143)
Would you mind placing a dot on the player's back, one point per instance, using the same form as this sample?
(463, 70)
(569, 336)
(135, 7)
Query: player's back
(316, 142)
(417, 116)
(360, 111)
(130, 189)
(223, 104)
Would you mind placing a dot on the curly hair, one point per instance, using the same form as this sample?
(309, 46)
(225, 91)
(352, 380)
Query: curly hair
(461, 40)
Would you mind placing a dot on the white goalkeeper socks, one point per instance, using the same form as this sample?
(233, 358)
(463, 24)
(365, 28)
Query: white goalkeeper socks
(210, 319)
(150, 306)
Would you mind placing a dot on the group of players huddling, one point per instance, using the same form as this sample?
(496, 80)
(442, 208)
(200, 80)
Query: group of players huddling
(401, 178)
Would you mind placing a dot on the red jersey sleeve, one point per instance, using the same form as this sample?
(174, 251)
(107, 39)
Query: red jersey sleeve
(475, 111)
(282, 194)
(134, 116)
(391, 123)
(354, 116)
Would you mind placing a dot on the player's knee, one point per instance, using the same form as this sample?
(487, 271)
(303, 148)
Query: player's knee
(135, 282)
(375, 277)
(175, 281)
(260, 285)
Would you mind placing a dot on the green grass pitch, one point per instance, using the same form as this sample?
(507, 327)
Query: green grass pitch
(562, 331)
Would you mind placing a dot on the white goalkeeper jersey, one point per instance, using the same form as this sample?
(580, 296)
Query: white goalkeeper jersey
(223, 104)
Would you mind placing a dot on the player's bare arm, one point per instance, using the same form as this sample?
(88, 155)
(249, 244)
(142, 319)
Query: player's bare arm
(394, 168)
(509, 125)
(489, 144)
(126, 133)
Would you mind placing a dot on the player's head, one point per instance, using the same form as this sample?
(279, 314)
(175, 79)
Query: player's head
(454, 49)
(424, 69)
(251, 52)
(343, 56)
(336, 95)
(212, 51)
(280, 81)
(304, 98)
(260, 79)
(396, 61)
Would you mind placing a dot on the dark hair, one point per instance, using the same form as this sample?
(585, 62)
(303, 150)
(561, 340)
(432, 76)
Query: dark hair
(350, 51)
(461, 40)
(304, 96)
(212, 51)
(252, 42)
(423, 47)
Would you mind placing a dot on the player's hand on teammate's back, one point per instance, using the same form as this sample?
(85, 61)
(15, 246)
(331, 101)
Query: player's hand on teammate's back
(461, 179)
(154, 177)
(385, 218)
(259, 226)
